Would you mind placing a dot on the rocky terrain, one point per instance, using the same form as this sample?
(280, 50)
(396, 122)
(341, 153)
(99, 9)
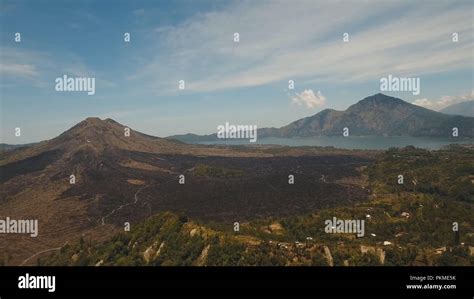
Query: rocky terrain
(94, 177)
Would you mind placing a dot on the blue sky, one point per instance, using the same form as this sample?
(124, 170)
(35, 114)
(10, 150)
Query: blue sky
(240, 83)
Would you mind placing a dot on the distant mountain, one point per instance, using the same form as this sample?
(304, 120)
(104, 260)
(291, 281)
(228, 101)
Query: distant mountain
(191, 138)
(94, 137)
(464, 108)
(380, 115)
(375, 115)
(8, 147)
(99, 139)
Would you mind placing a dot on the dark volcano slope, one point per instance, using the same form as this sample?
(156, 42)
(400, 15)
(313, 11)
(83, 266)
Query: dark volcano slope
(226, 189)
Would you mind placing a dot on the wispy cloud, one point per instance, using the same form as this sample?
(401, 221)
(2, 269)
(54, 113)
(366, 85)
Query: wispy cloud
(281, 40)
(18, 70)
(39, 68)
(443, 102)
(139, 12)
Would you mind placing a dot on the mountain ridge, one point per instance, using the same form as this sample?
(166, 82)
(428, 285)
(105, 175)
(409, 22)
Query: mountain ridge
(378, 114)
(464, 108)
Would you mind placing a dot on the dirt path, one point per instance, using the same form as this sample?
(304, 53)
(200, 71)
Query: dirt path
(41, 252)
(135, 197)
(135, 200)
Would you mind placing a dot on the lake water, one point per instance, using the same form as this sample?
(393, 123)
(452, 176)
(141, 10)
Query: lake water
(365, 142)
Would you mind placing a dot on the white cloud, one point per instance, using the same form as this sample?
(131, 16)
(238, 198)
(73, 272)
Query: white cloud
(309, 99)
(444, 101)
(18, 70)
(139, 12)
(275, 46)
(40, 68)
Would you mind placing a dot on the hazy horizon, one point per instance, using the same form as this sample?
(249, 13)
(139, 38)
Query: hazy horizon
(245, 82)
(282, 141)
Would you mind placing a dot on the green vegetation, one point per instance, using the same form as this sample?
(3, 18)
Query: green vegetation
(415, 220)
(447, 173)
